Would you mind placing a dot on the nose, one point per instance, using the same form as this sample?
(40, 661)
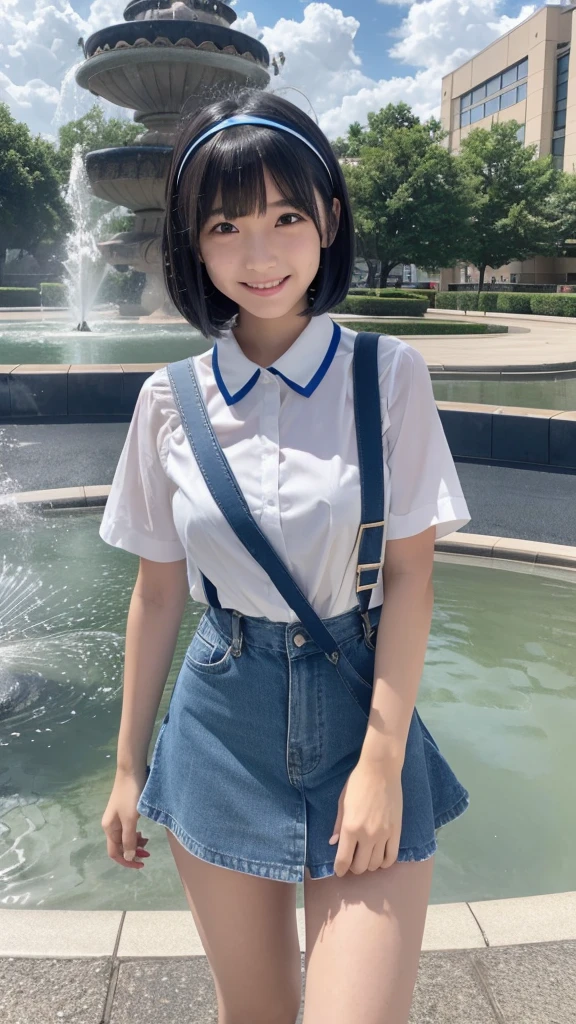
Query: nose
(259, 255)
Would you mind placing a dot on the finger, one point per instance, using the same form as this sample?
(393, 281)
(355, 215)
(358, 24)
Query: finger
(362, 857)
(377, 855)
(115, 853)
(391, 856)
(344, 854)
(129, 842)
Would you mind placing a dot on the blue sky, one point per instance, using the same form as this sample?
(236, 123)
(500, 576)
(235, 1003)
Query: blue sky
(347, 59)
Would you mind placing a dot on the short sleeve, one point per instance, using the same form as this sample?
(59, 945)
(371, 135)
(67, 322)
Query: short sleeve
(138, 514)
(424, 486)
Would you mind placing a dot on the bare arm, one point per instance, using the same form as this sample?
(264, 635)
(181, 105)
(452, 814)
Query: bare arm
(403, 635)
(154, 619)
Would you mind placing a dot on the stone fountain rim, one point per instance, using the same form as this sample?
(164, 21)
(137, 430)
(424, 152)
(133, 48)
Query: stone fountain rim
(104, 62)
(115, 154)
(128, 35)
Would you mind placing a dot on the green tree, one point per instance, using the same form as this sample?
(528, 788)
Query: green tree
(410, 202)
(514, 215)
(32, 207)
(564, 212)
(93, 131)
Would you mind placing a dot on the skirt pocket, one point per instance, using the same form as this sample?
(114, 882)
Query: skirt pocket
(209, 650)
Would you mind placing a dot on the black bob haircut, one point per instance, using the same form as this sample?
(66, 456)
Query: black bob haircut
(233, 160)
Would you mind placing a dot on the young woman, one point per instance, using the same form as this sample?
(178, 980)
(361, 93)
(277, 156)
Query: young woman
(278, 762)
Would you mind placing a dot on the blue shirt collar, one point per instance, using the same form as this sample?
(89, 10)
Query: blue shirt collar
(302, 366)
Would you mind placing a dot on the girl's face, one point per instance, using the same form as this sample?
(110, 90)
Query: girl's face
(280, 248)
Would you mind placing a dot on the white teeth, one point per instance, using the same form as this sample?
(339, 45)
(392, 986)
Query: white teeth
(271, 284)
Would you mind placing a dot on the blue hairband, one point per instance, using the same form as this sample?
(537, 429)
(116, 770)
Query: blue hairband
(246, 119)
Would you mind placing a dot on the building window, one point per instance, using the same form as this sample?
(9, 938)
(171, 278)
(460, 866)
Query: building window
(509, 76)
(521, 133)
(472, 107)
(508, 99)
(561, 92)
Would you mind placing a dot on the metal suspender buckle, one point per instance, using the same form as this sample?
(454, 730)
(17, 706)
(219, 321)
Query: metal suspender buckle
(361, 567)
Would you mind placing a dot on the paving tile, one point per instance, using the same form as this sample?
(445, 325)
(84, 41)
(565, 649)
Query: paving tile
(165, 992)
(152, 933)
(534, 984)
(547, 918)
(451, 926)
(50, 991)
(69, 933)
(449, 991)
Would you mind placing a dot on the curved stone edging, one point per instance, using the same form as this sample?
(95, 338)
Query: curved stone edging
(172, 933)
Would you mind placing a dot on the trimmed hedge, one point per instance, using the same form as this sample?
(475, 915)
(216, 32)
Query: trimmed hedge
(487, 302)
(377, 306)
(439, 327)
(513, 302)
(401, 293)
(467, 300)
(546, 304)
(19, 297)
(53, 293)
(446, 300)
(561, 304)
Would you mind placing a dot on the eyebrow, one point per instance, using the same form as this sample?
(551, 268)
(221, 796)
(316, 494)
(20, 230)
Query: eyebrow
(279, 202)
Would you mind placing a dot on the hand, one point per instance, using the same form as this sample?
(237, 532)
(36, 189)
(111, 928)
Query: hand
(123, 842)
(369, 819)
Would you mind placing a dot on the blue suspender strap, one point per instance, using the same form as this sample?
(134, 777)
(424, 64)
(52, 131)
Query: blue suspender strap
(227, 494)
(368, 418)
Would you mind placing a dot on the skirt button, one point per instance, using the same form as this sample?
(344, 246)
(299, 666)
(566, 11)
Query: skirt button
(299, 639)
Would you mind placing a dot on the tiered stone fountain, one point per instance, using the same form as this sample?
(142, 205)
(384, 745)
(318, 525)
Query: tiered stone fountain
(166, 59)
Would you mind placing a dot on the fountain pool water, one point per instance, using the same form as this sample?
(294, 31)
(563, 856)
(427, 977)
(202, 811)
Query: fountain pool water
(120, 340)
(498, 693)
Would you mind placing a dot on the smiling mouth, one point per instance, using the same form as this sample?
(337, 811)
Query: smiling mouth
(266, 286)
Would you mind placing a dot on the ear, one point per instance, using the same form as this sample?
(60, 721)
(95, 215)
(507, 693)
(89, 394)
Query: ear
(330, 233)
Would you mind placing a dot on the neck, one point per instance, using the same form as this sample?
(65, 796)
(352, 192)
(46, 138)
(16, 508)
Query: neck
(265, 340)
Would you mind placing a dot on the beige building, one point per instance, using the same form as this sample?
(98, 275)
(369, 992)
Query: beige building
(528, 75)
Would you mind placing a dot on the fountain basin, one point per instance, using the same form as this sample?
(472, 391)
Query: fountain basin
(131, 176)
(497, 693)
(153, 66)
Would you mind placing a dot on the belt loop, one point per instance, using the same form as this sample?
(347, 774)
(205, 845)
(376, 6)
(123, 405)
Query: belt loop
(368, 629)
(236, 634)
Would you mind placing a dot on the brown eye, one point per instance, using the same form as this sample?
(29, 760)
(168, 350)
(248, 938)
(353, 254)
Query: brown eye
(223, 224)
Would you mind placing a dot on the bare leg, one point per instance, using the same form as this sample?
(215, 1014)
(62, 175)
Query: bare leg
(247, 926)
(363, 941)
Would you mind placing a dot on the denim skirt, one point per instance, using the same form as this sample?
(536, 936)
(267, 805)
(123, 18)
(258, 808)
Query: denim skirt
(261, 734)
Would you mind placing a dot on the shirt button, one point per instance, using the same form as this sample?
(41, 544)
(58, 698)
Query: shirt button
(270, 501)
(299, 639)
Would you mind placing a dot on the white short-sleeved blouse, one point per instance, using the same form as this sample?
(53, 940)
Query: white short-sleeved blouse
(289, 435)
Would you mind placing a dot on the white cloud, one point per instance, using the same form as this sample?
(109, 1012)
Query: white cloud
(445, 33)
(39, 53)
